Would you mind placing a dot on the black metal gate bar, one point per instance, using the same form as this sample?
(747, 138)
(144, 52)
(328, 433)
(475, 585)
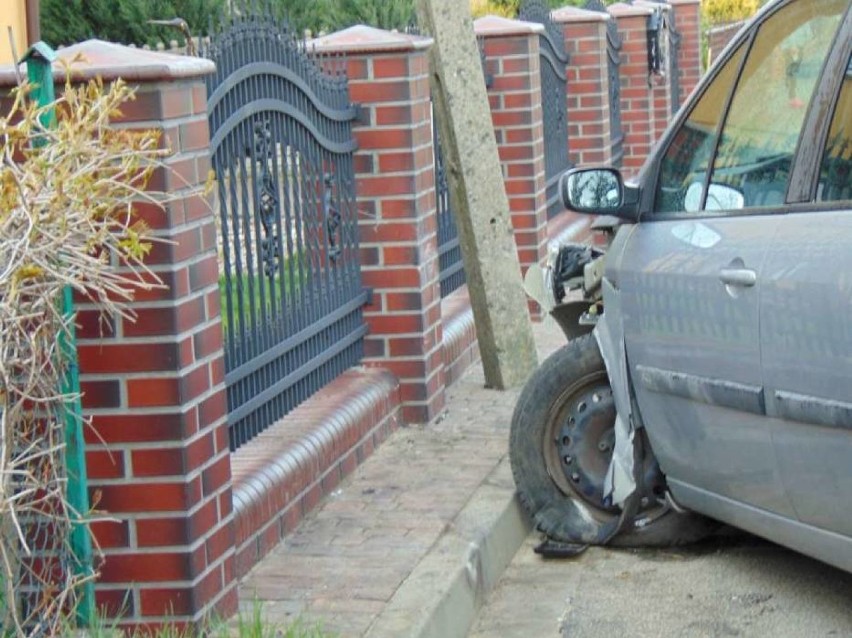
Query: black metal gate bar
(613, 50)
(554, 97)
(674, 41)
(282, 146)
(450, 263)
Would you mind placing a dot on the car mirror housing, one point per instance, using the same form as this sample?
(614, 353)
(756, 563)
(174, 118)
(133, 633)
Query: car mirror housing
(598, 191)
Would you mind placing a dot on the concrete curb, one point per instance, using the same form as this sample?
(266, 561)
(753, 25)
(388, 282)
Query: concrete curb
(440, 598)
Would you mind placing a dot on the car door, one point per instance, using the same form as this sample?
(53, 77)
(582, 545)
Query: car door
(806, 319)
(693, 270)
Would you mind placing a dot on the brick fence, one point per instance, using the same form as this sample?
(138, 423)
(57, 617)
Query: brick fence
(191, 517)
(718, 38)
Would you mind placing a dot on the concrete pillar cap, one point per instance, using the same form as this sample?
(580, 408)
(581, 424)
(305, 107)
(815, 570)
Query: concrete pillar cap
(623, 10)
(576, 14)
(652, 4)
(365, 39)
(110, 61)
(493, 26)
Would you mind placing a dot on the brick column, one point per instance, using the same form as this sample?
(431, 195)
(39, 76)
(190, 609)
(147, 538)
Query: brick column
(661, 87)
(589, 129)
(512, 60)
(157, 454)
(637, 97)
(687, 19)
(394, 171)
(718, 38)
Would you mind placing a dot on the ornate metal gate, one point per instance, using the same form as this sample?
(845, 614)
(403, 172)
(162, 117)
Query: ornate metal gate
(674, 39)
(282, 145)
(450, 263)
(613, 49)
(554, 97)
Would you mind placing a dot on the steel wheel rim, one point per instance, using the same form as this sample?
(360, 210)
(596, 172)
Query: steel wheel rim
(579, 439)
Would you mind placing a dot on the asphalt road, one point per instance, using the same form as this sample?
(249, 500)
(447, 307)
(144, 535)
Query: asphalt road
(735, 586)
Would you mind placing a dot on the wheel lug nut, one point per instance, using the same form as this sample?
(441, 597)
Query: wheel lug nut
(575, 477)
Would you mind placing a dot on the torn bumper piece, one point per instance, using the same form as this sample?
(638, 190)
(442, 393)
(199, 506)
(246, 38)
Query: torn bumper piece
(620, 482)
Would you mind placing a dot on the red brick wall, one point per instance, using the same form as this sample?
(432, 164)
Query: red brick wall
(513, 64)
(687, 15)
(719, 37)
(157, 454)
(589, 131)
(395, 181)
(660, 83)
(637, 95)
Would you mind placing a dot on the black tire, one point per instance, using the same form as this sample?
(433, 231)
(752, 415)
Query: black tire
(560, 439)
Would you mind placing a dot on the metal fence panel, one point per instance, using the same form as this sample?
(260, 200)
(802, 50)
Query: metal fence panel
(674, 42)
(554, 98)
(450, 262)
(282, 149)
(451, 266)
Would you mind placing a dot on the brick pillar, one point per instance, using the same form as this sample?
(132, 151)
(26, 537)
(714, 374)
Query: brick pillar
(661, 87)
(589, 130)
(157, 455)
(394, 172)
(637, 96)
(512, 60)
(687, 19)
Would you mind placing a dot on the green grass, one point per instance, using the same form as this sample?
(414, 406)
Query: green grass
(245, 625)
(253, 625)
(245, 283)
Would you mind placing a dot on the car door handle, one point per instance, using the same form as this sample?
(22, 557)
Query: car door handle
(742, 277)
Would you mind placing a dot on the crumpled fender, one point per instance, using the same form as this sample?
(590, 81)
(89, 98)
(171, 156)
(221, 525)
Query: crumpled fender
(620, 481)
(609, 333)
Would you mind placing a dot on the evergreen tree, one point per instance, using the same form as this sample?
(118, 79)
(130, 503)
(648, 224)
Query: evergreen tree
(64, 22)
(124, 21)
(384, 14)
(312, 15)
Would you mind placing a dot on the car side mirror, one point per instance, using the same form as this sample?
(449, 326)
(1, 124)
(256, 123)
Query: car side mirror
(598, 191)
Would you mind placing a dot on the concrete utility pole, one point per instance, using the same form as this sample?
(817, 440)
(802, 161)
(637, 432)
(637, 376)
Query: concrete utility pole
(478, 195)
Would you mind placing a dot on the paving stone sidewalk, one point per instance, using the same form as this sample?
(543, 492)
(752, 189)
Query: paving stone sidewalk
(344, 562)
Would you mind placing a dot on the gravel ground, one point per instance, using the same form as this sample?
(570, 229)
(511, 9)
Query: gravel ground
(734, 586)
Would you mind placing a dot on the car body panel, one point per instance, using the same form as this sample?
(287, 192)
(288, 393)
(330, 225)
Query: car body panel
(694, 350)
(835, 549)
(735, 326)
(806, 337)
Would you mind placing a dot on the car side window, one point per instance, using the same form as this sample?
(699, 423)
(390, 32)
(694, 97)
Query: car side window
(835, 177)
(762, 128)
(682, 171)
(754, 152)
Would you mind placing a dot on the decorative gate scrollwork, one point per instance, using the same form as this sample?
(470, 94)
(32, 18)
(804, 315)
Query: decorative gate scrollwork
(282, 150)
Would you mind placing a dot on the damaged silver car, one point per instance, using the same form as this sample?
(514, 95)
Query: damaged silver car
(708, 374)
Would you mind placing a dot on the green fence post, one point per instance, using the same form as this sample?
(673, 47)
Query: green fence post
(39, 59)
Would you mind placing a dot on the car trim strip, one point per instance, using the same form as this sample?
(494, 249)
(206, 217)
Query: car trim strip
(726, 394)
(810, 409)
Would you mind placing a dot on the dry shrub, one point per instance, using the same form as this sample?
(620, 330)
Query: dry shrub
(66, 220)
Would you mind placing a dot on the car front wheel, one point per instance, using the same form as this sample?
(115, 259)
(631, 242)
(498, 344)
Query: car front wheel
(561, 444)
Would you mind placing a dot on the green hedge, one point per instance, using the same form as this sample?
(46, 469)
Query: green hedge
(125, 21)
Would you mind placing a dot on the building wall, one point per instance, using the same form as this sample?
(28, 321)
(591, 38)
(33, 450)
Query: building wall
(14, 14)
